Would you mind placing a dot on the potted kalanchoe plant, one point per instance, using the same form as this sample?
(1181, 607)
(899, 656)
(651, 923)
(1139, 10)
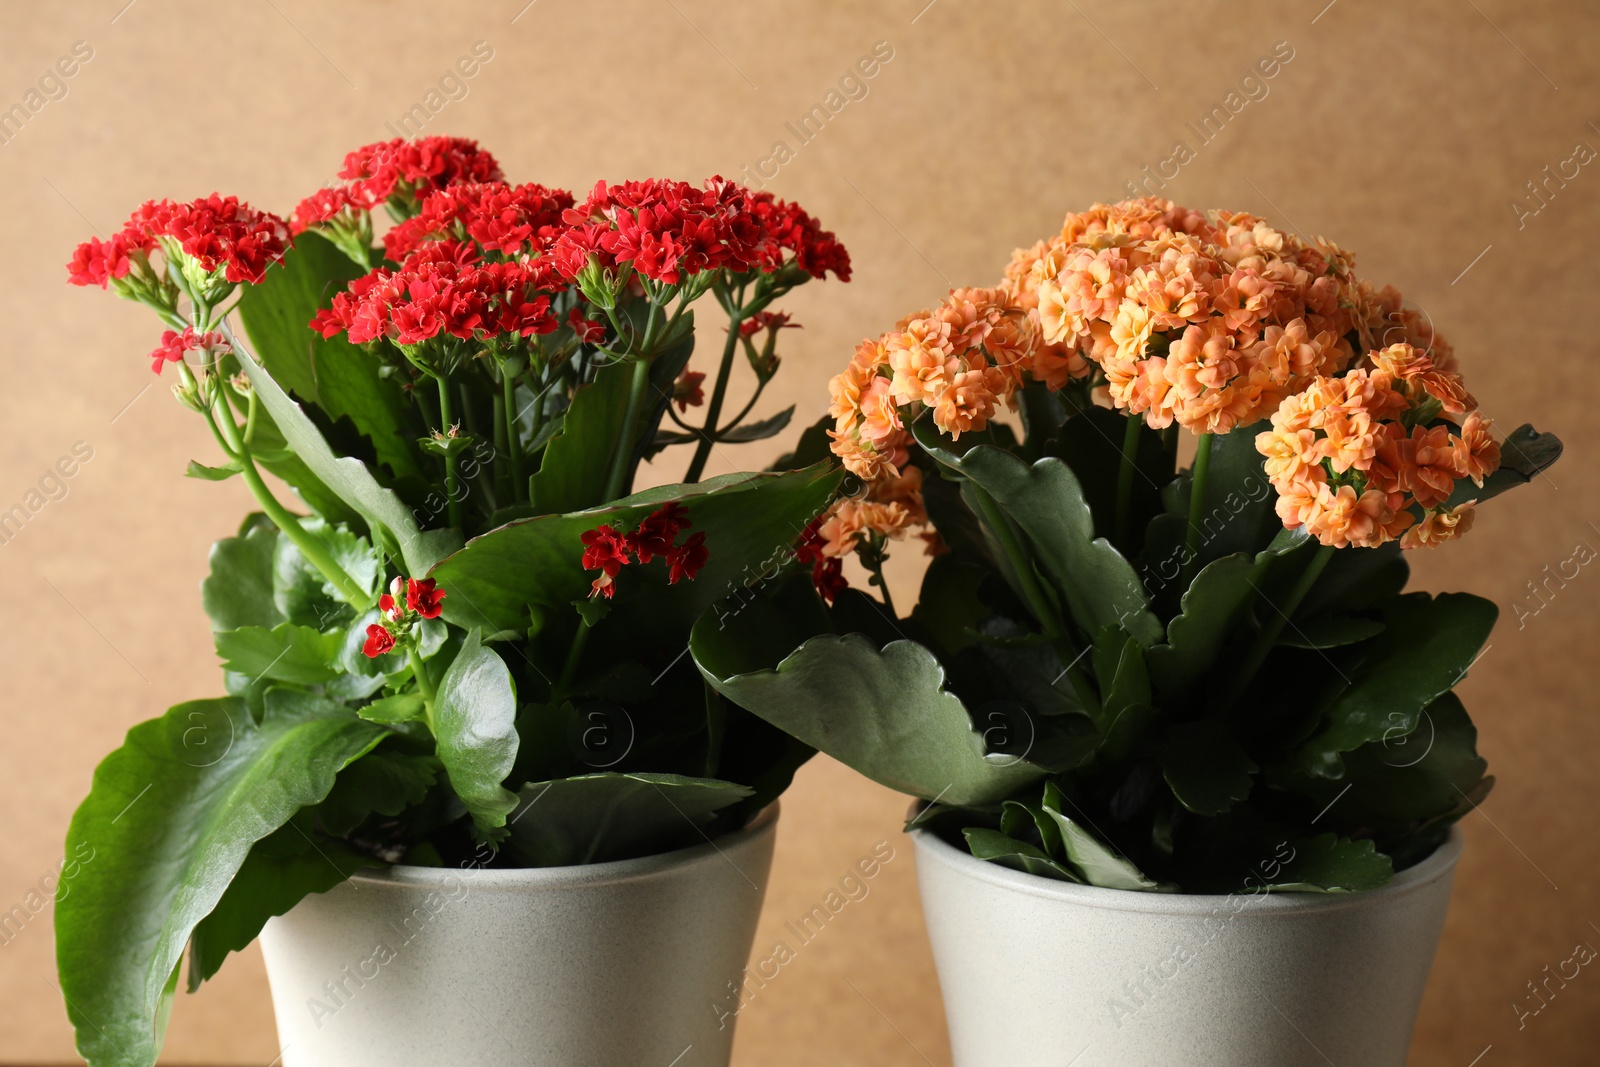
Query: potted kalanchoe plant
(1187, 750)
(464, 775)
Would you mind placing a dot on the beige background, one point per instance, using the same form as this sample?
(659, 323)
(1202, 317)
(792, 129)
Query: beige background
(1402, 131)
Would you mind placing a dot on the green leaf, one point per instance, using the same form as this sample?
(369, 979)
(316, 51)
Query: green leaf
(389, 519)
(402, 707)
(281, 870)
(341, 378)
(238, 591)
(299, 590)
(596, 818)
(212, 474)
(996, 847)
(884, 712)
(577, 460)
(748, 519)
(1330, 631)
(1523, 455)
(1205, 767)
(1047, 503)
(475, 724)
(1094, 860)
(1427, 646)
(1238, 511)
(170, 821)
(1126, 707)
(1212, 607)
(381, 783)
(286, 653)
(759, 430)
(1332, 864)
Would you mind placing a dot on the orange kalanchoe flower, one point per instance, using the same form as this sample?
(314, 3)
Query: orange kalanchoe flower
(1356, 459)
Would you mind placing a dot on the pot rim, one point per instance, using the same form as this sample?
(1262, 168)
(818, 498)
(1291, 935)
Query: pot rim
(522, 879)
(1439, 864)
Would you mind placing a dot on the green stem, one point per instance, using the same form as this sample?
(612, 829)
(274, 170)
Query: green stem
(1197, 505)
(1038, 602)
(452, 479)
(719, 393)
(625, 444)
(508, 393)
(419, 670)
(226, 431)
(574, 657)
(1130, 456)
(1268, 637)
(883, 587)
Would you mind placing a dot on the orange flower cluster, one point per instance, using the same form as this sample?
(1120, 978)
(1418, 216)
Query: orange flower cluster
(1209, 321)
(1354, 457)
(961, 360)
(891, 506)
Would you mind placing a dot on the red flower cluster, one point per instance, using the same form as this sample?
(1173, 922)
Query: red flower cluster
(827, 572)
(667, 229)
(790, 227)
(499, 217)
(443, 288)
(174, 345)
(216, 231)
(607, 549)
(406, 597)
(377, 171)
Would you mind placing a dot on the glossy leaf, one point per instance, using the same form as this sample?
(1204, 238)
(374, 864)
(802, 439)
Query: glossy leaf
(285, 653)
(390, 520)
(747, 519)
(239, 590)
(1332, 864)
(171, 818)
(996, 847)
(759, 430)
(1205, 767)
(1211, 609)
(1047, 503)
(1427, 646)
(596, 818)
(884, 712)
(280, 871)
(572, 476)
(475, 725)
(1090, 857)
(339, 377)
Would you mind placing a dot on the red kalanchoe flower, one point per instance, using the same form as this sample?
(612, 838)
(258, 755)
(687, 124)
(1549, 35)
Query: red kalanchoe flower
(606, 550)
(589, 331)
(424, 597)
(499, 217)
(685, 560)
(659, 530)
(174, 345)
(766, 320)
(827, 574)
(379, 640)
(378, 170)
(321, 206)
(687, 392)
(96, 262)
(788, 227)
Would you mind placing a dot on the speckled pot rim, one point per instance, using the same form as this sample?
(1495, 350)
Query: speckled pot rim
(1195, 905)
(526, 879)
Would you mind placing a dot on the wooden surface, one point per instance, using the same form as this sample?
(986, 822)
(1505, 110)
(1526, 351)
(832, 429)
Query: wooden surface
(1404, 132)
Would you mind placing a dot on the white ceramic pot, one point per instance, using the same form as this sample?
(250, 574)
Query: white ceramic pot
(1036, 971)
(603, 965)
